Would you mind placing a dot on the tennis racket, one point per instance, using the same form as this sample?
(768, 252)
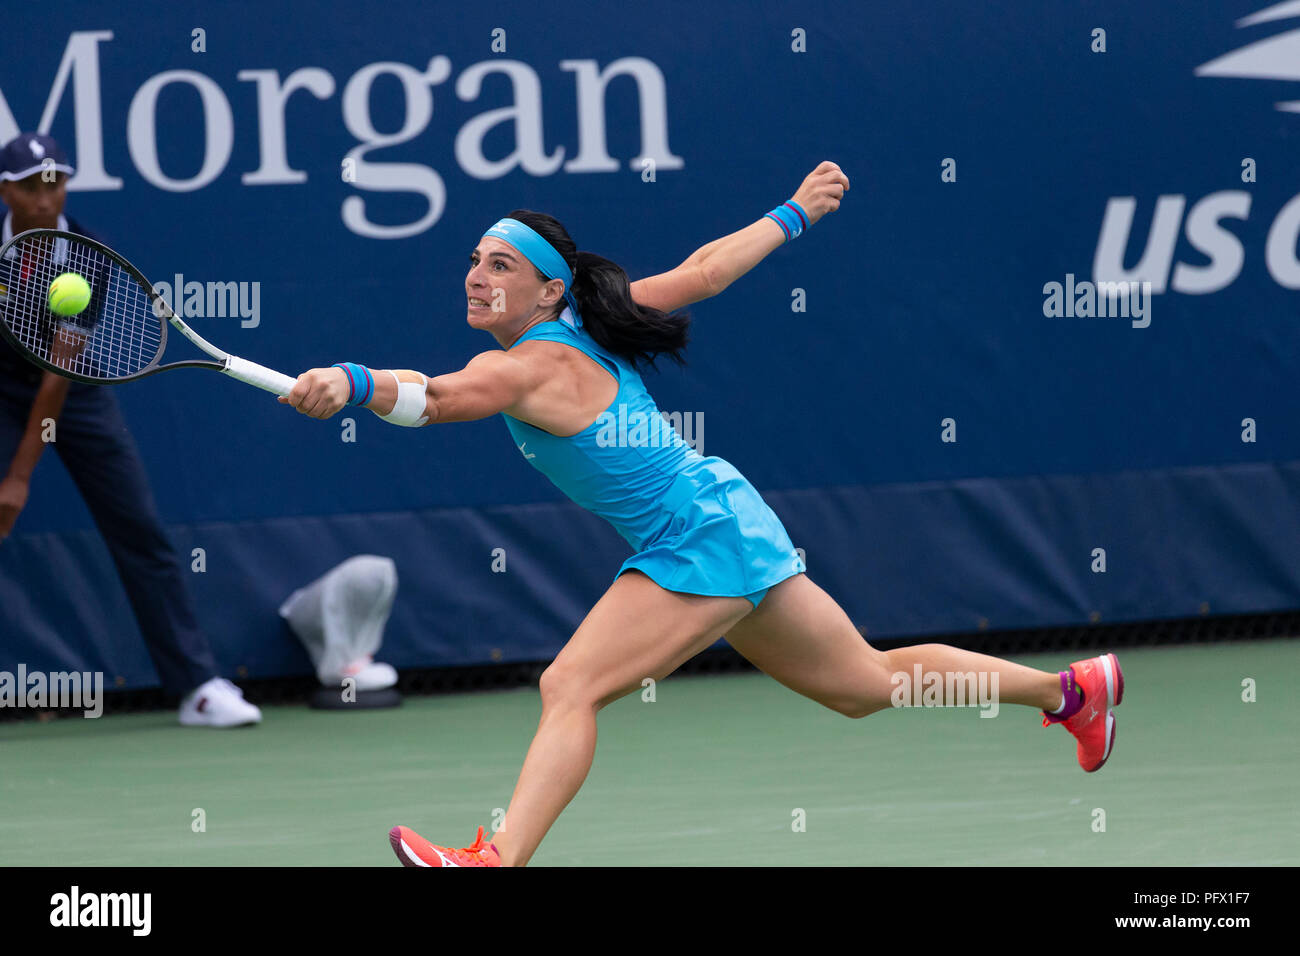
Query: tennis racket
(119, 336)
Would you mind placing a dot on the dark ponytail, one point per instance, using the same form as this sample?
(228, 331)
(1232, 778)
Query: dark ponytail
(634, 332)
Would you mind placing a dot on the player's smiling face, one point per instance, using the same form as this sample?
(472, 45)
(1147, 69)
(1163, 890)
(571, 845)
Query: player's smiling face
(503, 290)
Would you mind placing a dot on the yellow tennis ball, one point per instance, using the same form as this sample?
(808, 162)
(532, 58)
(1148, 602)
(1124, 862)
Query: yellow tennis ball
(69, 294)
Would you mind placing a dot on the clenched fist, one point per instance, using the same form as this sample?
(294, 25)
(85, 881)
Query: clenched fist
(320, 392)
(822, 190)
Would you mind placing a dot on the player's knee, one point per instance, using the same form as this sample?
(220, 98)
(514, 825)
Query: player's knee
(551, 685)
(858, 707)
(561, 687)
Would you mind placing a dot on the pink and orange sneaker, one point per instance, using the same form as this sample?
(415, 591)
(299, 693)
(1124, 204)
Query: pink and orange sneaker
(1092, 724)
(414, 850)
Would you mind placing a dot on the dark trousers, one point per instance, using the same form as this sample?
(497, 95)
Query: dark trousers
(99, 453)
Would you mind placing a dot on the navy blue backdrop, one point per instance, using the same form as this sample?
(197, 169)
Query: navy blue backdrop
(993, 150)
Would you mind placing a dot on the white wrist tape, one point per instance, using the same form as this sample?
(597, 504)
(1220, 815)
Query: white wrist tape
(412, 399)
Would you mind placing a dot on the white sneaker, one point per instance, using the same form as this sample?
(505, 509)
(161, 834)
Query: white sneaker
(368, 675)
(218, 703)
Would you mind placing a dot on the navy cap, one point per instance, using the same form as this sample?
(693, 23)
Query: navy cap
(31, 153)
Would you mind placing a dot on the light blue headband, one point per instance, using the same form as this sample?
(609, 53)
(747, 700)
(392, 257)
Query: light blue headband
(539, 252)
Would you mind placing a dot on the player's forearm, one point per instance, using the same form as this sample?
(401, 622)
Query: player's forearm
(453, 397)
(725, 260)
(491, 382)
(402, 396)
(46, 406)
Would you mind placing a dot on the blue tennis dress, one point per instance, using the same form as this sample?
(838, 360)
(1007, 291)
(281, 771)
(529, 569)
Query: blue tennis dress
(696, 524)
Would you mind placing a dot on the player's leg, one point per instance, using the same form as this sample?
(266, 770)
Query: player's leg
(636, 630)
(93, 442)
(15, 405)
(800, 636)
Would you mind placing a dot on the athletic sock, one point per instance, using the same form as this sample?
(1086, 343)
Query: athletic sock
(1071, 697)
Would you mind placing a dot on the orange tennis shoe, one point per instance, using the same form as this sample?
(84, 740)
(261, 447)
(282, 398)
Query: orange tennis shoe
(414, 850)
(1093, 725)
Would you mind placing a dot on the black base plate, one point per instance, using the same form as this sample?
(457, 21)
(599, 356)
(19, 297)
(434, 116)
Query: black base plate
(331, 698)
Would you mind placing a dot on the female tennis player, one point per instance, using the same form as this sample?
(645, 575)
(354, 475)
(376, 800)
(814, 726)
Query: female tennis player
(710, 556)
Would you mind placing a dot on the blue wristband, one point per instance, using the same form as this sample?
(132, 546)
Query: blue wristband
(361, 384)
(791, 218)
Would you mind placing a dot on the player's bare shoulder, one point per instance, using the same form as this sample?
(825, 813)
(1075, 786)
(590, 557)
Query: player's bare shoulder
(569, 388)
(551, 373)
(536, 363)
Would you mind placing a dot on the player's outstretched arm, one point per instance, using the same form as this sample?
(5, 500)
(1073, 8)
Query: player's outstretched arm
(492, 382)
(713, 267)
(46, 406)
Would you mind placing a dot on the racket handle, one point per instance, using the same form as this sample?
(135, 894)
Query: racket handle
(250, 373)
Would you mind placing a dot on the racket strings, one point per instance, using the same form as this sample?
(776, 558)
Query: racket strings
(115, 336)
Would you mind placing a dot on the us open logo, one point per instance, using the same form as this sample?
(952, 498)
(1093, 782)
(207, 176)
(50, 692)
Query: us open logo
(1204, 220)
(1272, 58)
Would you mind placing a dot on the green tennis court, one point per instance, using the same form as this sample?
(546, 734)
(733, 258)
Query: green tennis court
(714, 771)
